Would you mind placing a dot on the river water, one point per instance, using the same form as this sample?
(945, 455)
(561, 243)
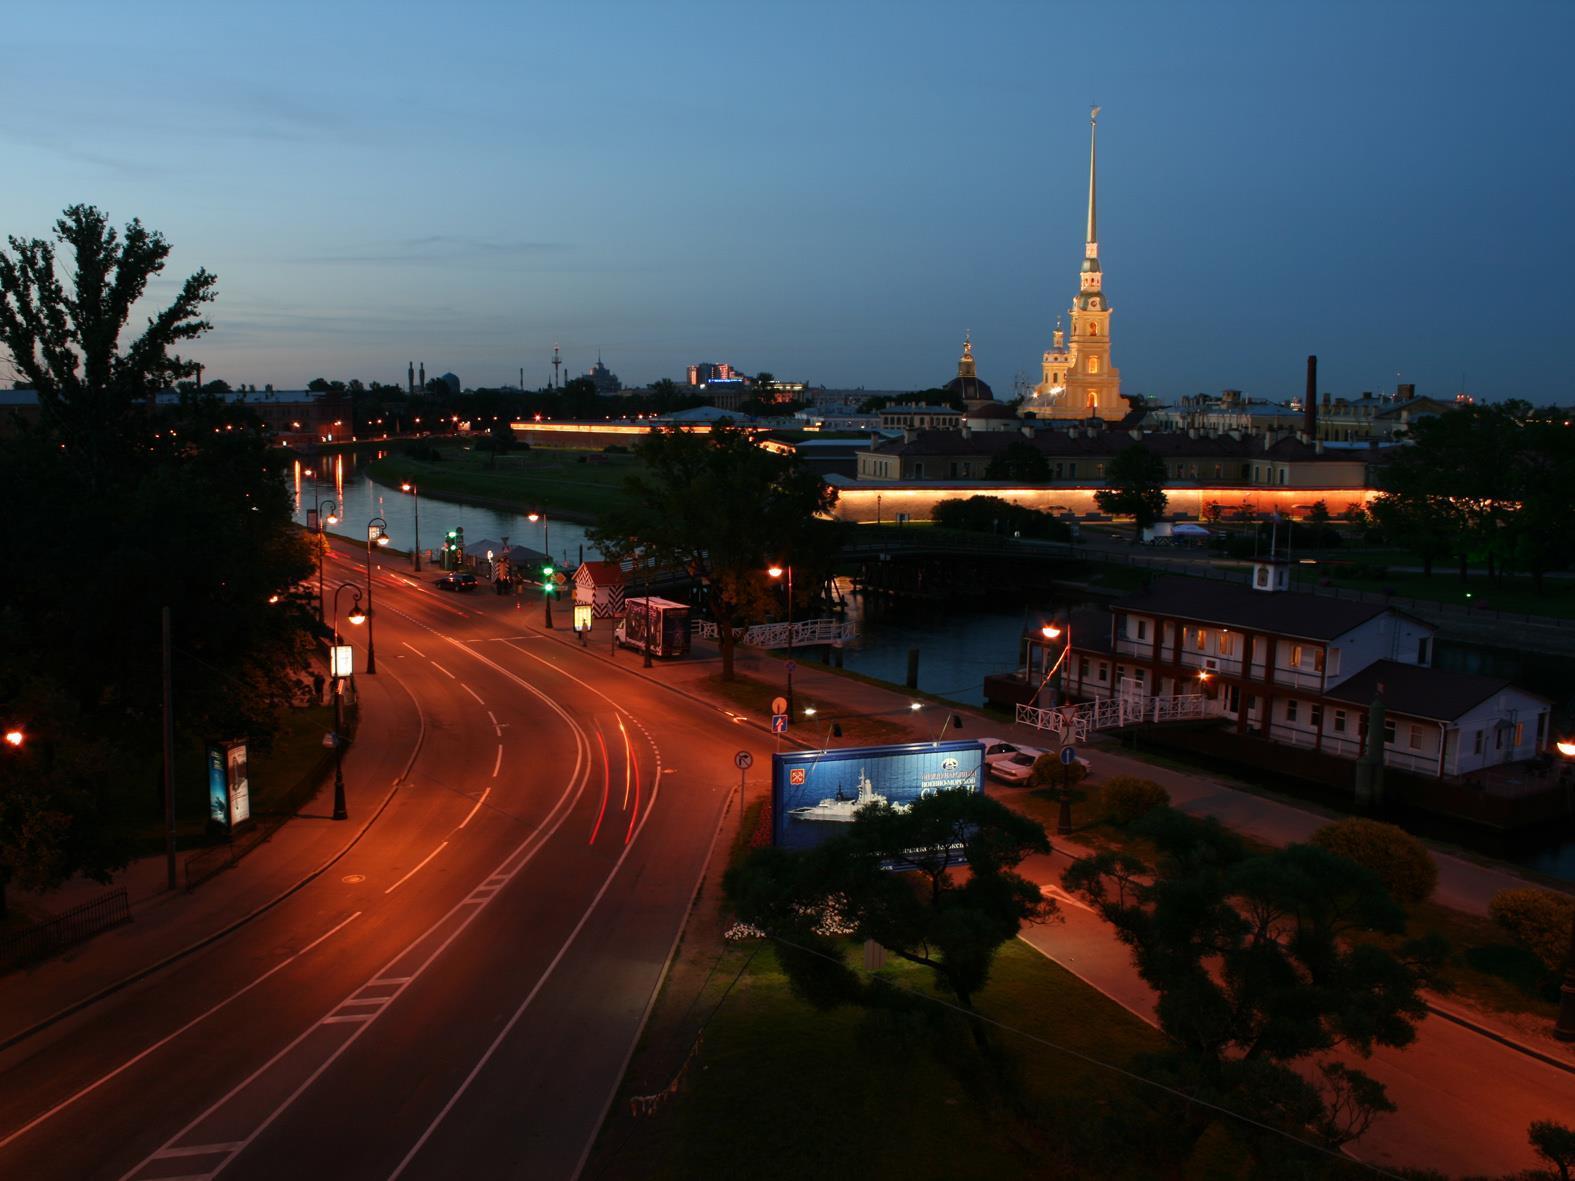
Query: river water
(360, 499)
(958, 645)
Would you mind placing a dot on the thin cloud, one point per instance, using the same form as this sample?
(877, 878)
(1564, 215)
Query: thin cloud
(438, 248)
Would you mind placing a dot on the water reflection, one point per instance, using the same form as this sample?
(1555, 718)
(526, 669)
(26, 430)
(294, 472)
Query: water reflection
(358, 499)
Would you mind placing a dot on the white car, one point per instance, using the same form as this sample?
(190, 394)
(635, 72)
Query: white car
(999, 746)
(1012, 768)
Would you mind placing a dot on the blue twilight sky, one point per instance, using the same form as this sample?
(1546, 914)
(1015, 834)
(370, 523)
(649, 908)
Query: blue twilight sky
(833, 192)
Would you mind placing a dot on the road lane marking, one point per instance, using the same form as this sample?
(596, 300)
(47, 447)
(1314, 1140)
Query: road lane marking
(477, 808)
(414, 649)
(444, 671)
(541, 983)
(498, 762)
(1059, 895)
(521, 855)
(473, 693)
(200, 1150)
(413, 872)
(606, 785)
(130, 1062)
(351, 1019)
(497, 729)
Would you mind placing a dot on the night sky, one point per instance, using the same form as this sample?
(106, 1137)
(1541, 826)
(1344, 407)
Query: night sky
(831, 192)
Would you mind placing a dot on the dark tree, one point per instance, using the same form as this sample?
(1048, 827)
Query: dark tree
(319, 385)
(922, 910)
(185, 507)
(1256, 970)
(1020, 461)
(725, 509)
(65, 343)
(1136, 479)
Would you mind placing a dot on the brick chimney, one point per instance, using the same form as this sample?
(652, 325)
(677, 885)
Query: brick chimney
(1310, 401)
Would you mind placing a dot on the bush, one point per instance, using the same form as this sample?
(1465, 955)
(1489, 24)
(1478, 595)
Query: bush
(1401, 861)
(1048, 771)
(992, 514)
(424, 452)
(1538, 920)
(1128, 798)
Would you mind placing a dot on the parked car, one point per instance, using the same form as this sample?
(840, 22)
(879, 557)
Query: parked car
(1014, 768)
(458, 580)
(999, 746)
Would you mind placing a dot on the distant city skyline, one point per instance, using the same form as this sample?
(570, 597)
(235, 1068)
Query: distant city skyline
(853, 190)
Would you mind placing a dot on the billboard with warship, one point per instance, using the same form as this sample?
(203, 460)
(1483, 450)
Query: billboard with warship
(815, 793)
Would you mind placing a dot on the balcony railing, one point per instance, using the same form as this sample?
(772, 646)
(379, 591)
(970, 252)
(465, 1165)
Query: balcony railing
(1074, 723)
(775, 635)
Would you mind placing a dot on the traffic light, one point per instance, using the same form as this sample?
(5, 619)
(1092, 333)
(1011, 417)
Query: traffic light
(546, 577)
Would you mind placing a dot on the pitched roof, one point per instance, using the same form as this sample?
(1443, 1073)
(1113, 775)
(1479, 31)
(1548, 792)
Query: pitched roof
(1233, 604)
(1418, 692)
(600, 573)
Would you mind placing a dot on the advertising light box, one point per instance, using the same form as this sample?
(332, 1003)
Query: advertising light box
(815, 793)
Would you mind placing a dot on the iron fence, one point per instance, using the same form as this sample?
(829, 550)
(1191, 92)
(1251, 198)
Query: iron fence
(65, 930)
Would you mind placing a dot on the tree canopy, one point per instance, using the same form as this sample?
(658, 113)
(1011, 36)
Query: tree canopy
(922, 910)
(724, 509)
(119, 508)
(1020, 460)
(1255, 972)
(1135, 481)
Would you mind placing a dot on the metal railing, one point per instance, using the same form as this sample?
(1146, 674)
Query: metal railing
(64, 930)
(775, 635)
(1077, 722)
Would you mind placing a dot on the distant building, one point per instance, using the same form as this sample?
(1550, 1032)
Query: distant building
(604, 379)
(913, 417)
(292, 417)
(704, 372)
(966, 386)
(451, 381)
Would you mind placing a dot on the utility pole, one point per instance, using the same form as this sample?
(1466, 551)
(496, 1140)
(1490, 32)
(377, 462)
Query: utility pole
(169, 754)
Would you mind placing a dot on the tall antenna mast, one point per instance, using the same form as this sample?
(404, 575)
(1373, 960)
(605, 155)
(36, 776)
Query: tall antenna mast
(555, 363)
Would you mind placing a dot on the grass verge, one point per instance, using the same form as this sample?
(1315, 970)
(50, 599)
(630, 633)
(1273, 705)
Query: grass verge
(576, 485)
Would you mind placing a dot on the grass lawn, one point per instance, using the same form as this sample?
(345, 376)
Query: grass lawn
(578, 485)
(1517, 594)
(780, 1089)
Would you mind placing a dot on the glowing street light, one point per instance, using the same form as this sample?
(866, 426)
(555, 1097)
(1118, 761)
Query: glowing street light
(357, 617)
(15, 737)
(415, 551)
(376, 534)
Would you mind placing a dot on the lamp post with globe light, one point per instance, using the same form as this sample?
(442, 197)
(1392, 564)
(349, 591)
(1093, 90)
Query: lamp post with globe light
(376, 534)
(415, 550)
(1564, 1028)
(776, 571)
(357, 617)
(332, 518)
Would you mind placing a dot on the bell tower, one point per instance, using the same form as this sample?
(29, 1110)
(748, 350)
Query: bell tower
(1079, 380)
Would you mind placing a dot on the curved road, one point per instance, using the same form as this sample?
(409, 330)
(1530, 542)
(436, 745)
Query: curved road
(459, 995)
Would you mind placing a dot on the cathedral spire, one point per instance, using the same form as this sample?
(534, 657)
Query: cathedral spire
(1093, 232)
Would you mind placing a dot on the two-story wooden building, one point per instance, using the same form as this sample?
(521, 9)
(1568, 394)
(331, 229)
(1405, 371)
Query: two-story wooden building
(1302, 670)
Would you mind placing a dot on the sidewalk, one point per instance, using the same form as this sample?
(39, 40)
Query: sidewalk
(166, 924)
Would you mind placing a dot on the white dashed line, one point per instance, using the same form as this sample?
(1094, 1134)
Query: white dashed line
(472, 692)
(477, 808)
(413, 872)
(498, 762)
(444, 671)
(414, 649)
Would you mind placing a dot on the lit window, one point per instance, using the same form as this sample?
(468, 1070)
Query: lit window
(1296, 656)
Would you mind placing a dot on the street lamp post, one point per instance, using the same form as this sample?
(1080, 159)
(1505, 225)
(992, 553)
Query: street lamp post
(777, 572)
(322, 545)
(356, 616)
(1051, 631)
(546, 590)
(415, 551)
(1564, 1029)
(376, 534)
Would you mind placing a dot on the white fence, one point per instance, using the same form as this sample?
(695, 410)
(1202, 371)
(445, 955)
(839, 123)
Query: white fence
(775, 635)
(1074, 723)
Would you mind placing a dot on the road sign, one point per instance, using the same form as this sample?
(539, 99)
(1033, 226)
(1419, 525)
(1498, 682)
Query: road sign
(1068, 755)
(779, 705)
(743, 760)
(792, 666)
(779, 723)
(559, 577)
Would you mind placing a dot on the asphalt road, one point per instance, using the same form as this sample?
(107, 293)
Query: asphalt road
(459, 996)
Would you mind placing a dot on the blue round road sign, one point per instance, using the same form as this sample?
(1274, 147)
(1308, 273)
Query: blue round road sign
(1068, 755)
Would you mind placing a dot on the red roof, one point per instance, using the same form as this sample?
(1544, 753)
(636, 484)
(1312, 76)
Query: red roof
(600, 573)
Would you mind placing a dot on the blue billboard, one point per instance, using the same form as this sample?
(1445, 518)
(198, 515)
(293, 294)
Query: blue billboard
(815, 793)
